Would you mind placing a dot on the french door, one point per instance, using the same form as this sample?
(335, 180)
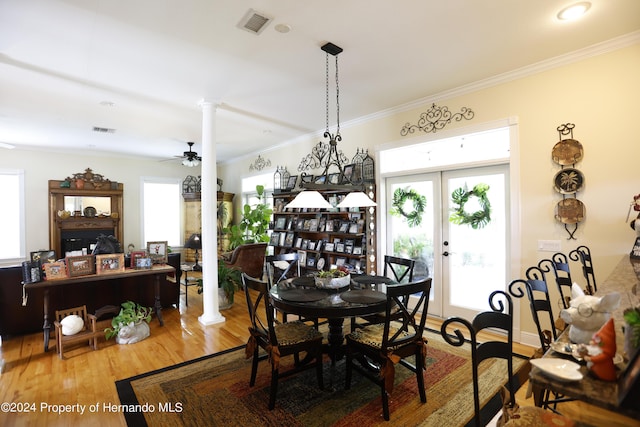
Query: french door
(465, 263)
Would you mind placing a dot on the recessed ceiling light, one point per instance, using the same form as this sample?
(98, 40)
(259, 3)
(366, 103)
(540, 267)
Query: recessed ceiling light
(573, 12)
(283, 28)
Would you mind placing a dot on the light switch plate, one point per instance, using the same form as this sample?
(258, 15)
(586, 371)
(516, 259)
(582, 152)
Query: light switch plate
(549, 245)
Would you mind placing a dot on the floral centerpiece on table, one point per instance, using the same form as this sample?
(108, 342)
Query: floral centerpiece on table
(335, 278)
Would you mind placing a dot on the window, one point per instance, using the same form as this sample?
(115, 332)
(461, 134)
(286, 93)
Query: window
(161, 214)
(12, 217)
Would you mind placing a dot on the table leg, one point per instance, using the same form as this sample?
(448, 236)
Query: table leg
(336, 339)
(46, 328)
(158, 305)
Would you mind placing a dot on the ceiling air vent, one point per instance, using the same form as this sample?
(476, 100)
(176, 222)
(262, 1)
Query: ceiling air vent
(254, 22)
(103, 130)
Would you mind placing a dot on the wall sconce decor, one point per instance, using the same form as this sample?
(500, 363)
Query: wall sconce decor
(436, 118)
(259, 164)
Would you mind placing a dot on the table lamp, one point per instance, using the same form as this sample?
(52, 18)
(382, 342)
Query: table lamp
(195, 242)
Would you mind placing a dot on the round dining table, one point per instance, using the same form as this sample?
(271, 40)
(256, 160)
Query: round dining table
(301, 297)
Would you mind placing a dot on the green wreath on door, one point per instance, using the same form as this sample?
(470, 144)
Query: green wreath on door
(400, 197)
(477, 219)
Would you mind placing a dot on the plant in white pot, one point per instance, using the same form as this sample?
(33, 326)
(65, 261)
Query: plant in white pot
(334, 278)
(229, 280)
(131, 324)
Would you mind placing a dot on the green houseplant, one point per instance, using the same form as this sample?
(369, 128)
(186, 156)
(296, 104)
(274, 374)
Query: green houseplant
(254, 224)
(124, 326)
(229, 280)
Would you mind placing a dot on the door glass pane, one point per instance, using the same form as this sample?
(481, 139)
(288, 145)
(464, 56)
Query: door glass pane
(477, 256)
(413, 242)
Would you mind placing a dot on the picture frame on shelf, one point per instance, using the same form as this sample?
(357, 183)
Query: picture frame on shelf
(274, 239)
(302, 258)
(158, 251)
(291, 183)
(280, 223)
(281, 238)
(311, 261)
(357, 250)
(143, 263)
(320, 179)
(319, 245)
(82, 265)
(329, 247)
(290, 223)
(340, 247)
(347, 173)
(306, 179)
(110, 263)
(340, 261)
(305, 244)
(344, 227)
(329, 226)
(300, 224)
(313, 224)
(44, 256)
(288, 241)
(353, 228)
(55, 270)
(334, 178)
(298, 242)
(312, 245)
(134, 257)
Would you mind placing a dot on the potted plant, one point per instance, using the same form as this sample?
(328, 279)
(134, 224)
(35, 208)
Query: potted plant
(229, 280)
(334, 278)
(254, 224)
(131, 324)
(631, 330)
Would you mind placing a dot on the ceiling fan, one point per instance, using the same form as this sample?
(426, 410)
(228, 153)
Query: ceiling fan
(190, 158)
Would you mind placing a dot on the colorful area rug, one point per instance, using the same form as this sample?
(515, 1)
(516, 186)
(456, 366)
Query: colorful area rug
(214, 391)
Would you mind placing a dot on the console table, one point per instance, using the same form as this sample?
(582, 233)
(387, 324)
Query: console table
(156, 274)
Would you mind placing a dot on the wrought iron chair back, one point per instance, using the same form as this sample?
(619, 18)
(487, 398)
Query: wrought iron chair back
(398, 269)
(582, 254)
(558, 264)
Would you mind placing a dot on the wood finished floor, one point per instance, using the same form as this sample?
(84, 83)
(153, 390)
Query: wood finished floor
(33, 379)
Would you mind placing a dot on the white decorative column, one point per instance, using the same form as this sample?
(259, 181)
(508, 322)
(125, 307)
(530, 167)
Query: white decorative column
(211, 312)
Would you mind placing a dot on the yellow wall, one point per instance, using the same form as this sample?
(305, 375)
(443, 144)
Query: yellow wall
(598, 94)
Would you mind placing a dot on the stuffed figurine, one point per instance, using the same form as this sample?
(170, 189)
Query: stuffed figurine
(601, 351)
(588, 313)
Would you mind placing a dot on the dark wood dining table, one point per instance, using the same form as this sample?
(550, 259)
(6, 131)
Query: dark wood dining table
(604, 394)
(364, 296)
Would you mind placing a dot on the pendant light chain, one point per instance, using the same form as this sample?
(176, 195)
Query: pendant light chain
(337, 100)
(326, 74)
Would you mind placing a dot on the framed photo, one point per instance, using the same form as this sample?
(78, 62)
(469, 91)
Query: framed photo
(328, 247)
(300, 224)
(311, 261)
(281, 238)
(334, 178)
(305, 243)
(288, 241)
(339, 247)
(274, 239)
(292, 182)
(353, 228)
(135, 255)
(347, 173)
(357, 250)
(344, 227)
(313, 224)
(290, 223)
(280, 223)
(341, 261)
(320, 180)
(110, 263)
(158, 252)
(143, 263)
(83, 265)
(302, 258)
(55, 270)
(43, 256)
(329, 226)
(299, 242)
(306, 179)
(312, 245)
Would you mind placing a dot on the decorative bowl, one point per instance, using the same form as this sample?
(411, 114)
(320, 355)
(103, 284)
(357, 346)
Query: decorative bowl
(333, 282)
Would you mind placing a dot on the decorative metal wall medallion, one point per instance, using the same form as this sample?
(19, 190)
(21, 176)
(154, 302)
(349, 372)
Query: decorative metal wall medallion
(436, 118)
(260, 164)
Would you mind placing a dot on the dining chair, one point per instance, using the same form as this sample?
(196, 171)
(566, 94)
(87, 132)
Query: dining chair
(558, 264)
(499, 319)
(537, 292)
(398, 269)
(283, 268)
(582, 254)
(374, 349)
(278, 339)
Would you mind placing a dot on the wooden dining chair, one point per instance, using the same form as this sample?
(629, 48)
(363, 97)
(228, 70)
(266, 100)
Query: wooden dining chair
(582, 254)
(277, 339)
(498, 319)
(374, 349)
